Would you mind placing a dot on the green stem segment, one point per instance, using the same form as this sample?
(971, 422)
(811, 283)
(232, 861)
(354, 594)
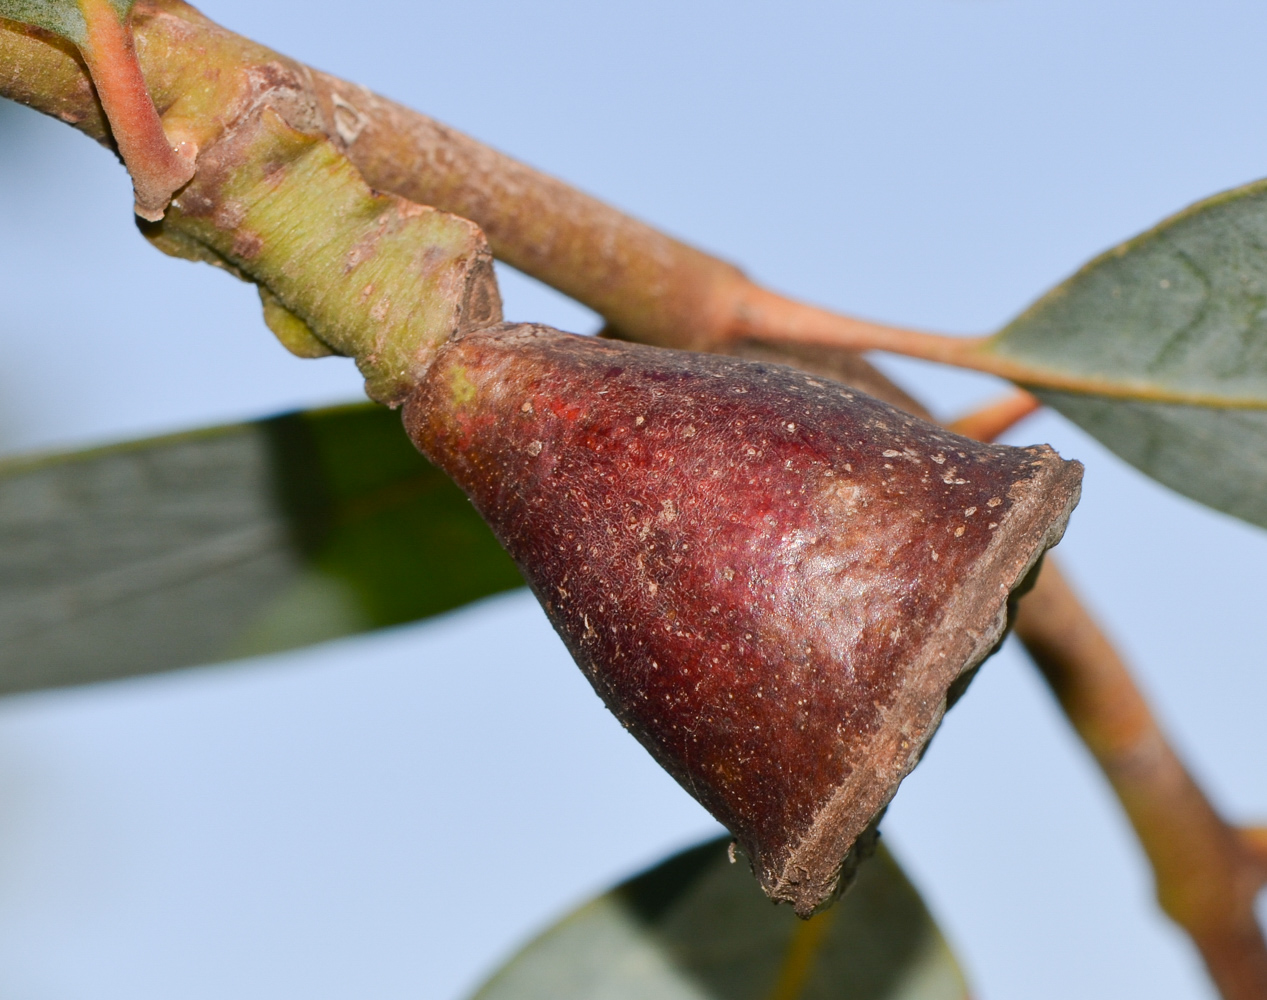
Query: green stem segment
(366, 275)
(342, 269)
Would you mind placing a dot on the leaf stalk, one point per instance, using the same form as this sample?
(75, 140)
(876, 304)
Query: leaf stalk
(158, 167)
(987, 423)
(768, 317)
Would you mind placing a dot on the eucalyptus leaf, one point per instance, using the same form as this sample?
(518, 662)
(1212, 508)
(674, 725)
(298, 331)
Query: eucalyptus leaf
(229, 542)
(1217, 457)
(698, 927)
(1180, 310)
(62, 17)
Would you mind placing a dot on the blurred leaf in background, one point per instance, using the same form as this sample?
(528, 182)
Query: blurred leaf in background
(698, 927)
(229, 542)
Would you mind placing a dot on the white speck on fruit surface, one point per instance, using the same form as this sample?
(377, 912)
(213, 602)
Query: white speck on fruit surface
(527, 407)
(890, 453)
(969, 512)
(939, 458)
(534, 448)
(959, 531)
(639, 421)
(993, 502)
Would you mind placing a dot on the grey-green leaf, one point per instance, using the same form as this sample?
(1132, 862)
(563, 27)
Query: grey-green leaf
(229, 542)
(1217, 457)
(698, 928)
(1181, 309)
(62, 17)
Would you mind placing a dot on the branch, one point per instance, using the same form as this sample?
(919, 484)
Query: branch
(648, 286)
(1207, 874)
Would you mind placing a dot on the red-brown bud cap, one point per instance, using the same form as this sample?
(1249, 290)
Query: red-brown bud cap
(773, 581)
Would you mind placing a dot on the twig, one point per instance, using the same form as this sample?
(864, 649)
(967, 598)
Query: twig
(760, 314)
(990, 421)
(648, 286)
(1207, 875)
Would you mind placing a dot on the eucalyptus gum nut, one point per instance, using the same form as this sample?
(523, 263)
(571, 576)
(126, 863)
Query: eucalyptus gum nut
(773, 581)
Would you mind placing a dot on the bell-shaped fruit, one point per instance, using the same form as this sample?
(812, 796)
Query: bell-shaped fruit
(772, 580)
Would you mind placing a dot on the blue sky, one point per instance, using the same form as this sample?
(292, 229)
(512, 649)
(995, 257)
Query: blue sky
(385, 817)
